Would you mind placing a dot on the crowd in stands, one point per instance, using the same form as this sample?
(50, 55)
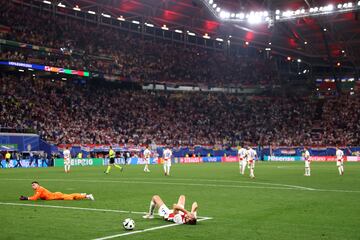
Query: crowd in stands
(64, 112)
(96, 48)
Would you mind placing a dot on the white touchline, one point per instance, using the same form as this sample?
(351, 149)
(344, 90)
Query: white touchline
(103, 210)
(280, 186)
(145, 230)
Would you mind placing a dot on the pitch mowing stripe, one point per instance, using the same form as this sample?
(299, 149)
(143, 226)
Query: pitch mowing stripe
(81, 208)
(145, 230)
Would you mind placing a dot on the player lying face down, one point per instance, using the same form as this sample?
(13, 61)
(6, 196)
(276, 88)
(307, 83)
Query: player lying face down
(44, 194)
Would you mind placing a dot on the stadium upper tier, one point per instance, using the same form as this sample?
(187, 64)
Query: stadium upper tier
(64, 112)
(97, 48)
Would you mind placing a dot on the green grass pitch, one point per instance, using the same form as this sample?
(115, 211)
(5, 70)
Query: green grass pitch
(280, 203)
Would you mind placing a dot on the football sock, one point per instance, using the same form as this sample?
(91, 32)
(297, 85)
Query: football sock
(151, 208)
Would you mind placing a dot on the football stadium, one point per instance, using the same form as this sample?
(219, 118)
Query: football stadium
(179, 119)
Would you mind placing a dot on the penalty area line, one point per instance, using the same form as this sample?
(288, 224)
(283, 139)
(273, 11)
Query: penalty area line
(146, 230)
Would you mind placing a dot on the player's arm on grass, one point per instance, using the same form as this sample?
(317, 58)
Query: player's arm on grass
(35, 197)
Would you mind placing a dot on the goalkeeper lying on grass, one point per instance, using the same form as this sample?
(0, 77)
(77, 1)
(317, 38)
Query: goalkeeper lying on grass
(44, 194)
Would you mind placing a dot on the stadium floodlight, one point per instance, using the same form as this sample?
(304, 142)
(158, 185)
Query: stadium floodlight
(214, 5)
(191, 33)
(277, 17)
(339, 6)
(254, 19)
(325, 29)
(121, 18)
(219, 39)
(246, 43)
(164, 27)
(76, 8)
(240, 15)
(277, 12)
(211, 1)
(358, 3)
(206, 36)
(232, 15)
(267, 49)
(316, 9)
(269, 43)
(30, 69)
(178, 31)
(302, 11)
(224, 14)
(342, 51)
(46, 2)
(135, 22)
(329, 7)
(91, 12)
(21, 70)
(61, 5)
(105, 15)
(350, 4)
(299, 60)
(218, 9)
(149, 25)
(305, 42)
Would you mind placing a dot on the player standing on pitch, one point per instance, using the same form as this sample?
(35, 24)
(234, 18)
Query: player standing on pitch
(67, 159)
(147, 155)
(251, 155)
(167, 153)
(340, 160)
(307, 162)
(242, 159)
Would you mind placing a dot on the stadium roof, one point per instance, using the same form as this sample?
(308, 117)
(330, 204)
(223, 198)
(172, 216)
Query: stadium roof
(302, 37)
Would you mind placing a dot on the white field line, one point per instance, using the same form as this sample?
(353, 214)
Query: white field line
(274, 186)
(103, 210)
(81, 208)
(277, 186)
(144, 230)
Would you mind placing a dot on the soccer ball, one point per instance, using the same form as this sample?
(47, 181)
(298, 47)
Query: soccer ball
(129, 224)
